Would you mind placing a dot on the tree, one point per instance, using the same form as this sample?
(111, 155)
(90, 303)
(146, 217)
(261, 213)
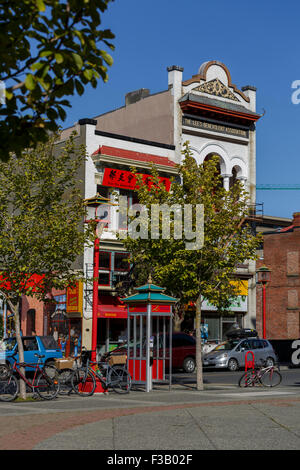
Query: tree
(50, 49)
(205, 269)
(41, 224)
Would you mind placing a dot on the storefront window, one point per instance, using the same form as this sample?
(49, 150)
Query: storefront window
(213, 328)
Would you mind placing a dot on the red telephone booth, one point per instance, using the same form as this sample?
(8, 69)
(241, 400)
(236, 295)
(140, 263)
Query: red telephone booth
(149, 335)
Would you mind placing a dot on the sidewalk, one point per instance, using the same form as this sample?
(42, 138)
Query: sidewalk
(220, 417)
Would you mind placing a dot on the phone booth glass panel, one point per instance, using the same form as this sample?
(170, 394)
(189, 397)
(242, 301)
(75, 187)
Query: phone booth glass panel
(149, 342)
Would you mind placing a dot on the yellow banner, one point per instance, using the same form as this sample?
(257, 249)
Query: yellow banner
(242, 287)
(75, 298)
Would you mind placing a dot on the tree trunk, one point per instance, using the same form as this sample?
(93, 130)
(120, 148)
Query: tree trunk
(178, 318)
(198, 345)
(15, 311)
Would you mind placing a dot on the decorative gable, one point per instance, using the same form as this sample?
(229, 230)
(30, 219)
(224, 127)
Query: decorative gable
(217, 88)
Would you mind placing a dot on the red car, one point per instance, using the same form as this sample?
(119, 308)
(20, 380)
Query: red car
(183, 351)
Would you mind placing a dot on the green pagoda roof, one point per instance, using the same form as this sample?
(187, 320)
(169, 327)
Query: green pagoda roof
(150, 293)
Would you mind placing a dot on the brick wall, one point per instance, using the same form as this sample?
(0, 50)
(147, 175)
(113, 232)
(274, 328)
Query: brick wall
(41, 310)
(281, 255)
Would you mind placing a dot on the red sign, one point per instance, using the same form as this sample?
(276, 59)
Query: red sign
(74, 298)
(161, 308)
(126, 180)
(154, 308)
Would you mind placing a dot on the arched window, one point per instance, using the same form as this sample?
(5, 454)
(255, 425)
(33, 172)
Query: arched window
(233, 178)
(218, 169)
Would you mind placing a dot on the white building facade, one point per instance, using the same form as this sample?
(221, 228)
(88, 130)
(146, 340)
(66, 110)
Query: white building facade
(217, 118)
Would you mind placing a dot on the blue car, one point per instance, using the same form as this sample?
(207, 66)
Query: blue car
(42, 345)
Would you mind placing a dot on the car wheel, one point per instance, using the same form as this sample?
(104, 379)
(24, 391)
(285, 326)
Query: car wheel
(233, 365)
(189, 365)
(270, 362)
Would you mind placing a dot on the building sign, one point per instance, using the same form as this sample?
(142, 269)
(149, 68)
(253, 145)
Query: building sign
(238, 304)
(74, 298)
(154, 308)
(209, 126)
(116, 178)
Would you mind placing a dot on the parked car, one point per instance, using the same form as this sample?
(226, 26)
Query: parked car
(42, 345)
(183, 351)
(232, 354)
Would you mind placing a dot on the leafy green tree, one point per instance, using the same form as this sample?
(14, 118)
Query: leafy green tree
(204, 272)
(41, 224)
(50, 49)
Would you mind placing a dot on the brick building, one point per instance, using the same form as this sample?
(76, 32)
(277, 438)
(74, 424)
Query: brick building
(281, 254)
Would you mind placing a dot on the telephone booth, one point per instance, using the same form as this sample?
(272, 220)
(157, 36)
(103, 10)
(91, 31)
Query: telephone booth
(149, 335)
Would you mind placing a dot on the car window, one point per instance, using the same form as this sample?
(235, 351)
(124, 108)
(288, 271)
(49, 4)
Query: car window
(188, 341)
(7, 344)
(49, 342)
(176, 341)
(183, 340)
(227, 346)
(244, 345)
(30, 344)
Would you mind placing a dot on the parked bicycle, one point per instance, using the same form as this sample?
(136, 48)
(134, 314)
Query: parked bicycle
(44, 381)
(115, 377)
(268, 376)
(65, 375)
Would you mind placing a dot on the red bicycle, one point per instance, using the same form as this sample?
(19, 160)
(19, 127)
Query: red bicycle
(44, 382)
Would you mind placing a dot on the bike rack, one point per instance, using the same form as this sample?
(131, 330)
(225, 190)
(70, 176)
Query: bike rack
(249, 364)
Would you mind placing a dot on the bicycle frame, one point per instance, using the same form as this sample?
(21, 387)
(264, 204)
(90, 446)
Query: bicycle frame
(35, 366)
(255, 375)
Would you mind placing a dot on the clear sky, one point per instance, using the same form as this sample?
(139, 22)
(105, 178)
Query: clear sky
(259, 41)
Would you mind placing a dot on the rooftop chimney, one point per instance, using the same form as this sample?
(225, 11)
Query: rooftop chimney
(296, 220)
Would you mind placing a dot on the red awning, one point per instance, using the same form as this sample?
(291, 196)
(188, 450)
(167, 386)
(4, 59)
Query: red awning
(111, 307)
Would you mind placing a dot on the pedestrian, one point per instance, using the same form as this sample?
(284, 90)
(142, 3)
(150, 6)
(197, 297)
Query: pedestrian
(63, 343)
(55, 333)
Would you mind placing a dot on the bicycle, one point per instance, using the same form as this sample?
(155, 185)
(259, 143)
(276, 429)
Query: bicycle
(268, 376)
(44, 381)
(84, 378)
(65, 376)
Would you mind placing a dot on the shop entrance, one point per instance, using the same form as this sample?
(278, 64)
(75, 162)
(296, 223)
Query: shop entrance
(67, 332)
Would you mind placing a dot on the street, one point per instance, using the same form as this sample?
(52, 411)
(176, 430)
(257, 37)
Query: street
(221, 417)
(290, 377)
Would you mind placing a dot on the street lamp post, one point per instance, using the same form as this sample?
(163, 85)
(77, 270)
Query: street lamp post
(93, 204)
(263, 278)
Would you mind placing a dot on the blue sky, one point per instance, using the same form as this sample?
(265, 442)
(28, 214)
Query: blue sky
(259, 41)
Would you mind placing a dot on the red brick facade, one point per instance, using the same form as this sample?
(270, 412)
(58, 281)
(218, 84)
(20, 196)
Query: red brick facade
(282, 256)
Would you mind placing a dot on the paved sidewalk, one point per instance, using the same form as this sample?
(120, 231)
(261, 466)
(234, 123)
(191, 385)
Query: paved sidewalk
(220, 417)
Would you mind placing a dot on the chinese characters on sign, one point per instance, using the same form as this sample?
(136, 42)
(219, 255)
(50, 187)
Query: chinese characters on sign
(74, 298)
(126, 180)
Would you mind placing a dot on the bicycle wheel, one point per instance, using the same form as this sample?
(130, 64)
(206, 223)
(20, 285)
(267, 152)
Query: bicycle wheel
(46, 387)
(271, 378)
(9, 389)
(4, 371)
(65, 381)
(247, 380)
(83, 382)
(119, 379)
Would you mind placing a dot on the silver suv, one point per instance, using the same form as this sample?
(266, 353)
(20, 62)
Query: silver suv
(231, 354)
